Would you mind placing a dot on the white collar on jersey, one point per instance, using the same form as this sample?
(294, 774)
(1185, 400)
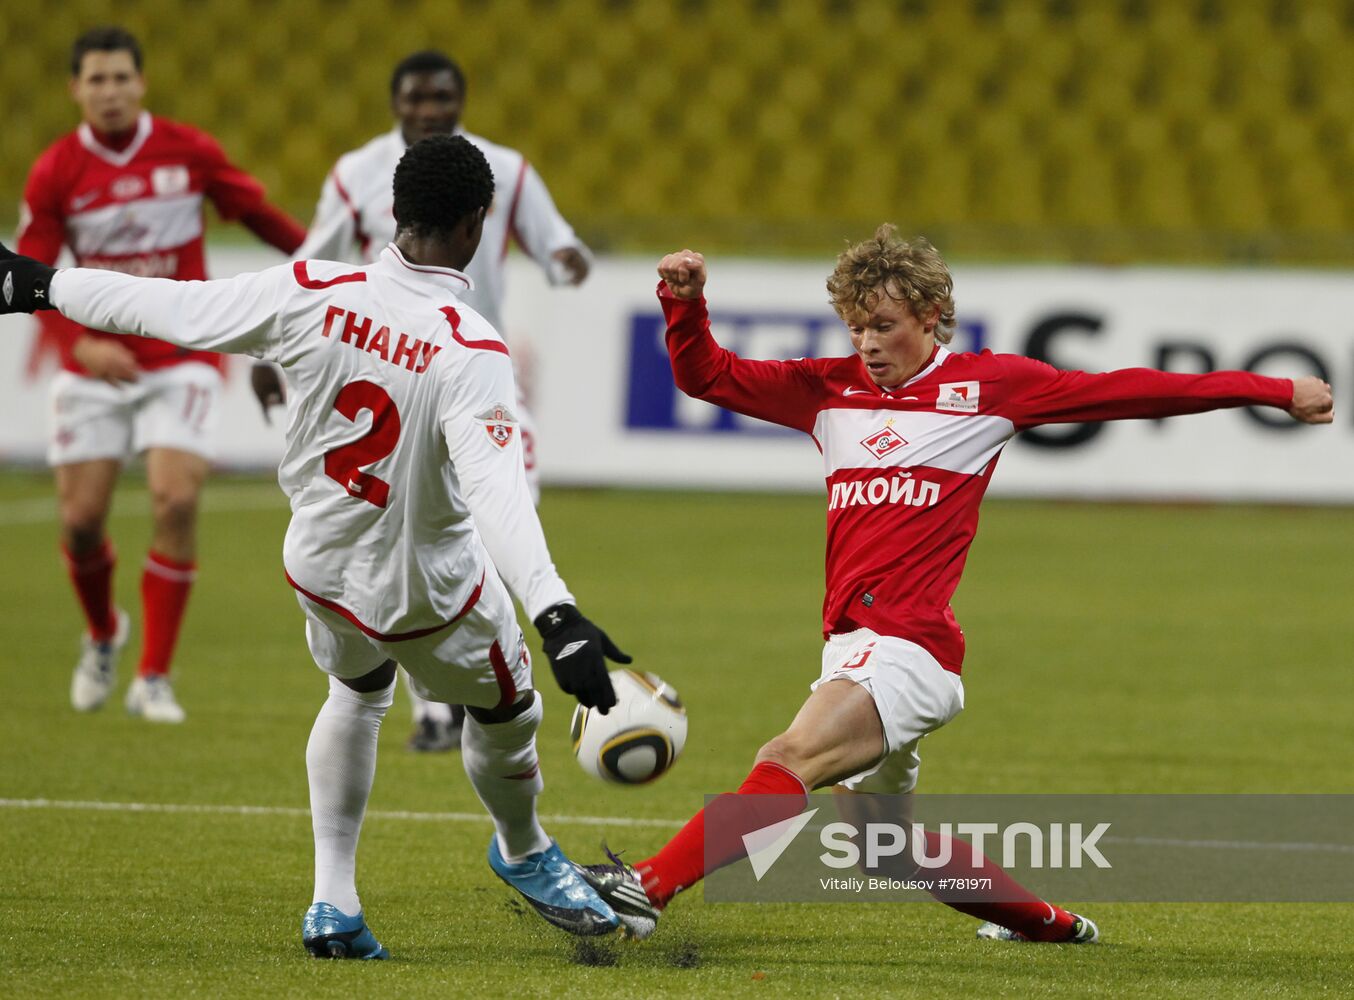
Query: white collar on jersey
(392, 254)
(941, 354)
(937, 360)
(118, 158)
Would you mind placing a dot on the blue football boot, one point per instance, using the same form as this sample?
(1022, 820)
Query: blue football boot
(328, 932)
(552, 885)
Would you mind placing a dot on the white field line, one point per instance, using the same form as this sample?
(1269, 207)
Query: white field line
(136, 503)
(398, 814)
(565, 820)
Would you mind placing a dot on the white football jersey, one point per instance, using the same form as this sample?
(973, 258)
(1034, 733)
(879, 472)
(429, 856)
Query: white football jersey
(403, 461)
(355, 217)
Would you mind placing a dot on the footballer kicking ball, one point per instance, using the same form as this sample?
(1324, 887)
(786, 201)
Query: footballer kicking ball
(639, 738)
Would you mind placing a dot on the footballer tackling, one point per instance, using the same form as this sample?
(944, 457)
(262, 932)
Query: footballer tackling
(410, 512)
(910, 433)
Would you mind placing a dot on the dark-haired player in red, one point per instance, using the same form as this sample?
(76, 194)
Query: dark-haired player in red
(125, 192)
(910, 434)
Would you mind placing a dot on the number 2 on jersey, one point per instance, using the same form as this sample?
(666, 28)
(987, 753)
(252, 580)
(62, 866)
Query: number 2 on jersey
(344, 463)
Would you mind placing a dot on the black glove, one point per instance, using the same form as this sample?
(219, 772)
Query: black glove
(24, 283)
(578, 650)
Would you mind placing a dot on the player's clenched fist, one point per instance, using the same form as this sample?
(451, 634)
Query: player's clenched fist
(1312, 401)
(684, 271)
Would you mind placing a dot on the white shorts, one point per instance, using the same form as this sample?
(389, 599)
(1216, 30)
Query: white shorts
(175, 407)
(913, 693)
(480, 660)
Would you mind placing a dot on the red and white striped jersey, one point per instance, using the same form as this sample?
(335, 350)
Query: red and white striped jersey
(355, 217)
(906, 468)
(137, 210)
(403, 461)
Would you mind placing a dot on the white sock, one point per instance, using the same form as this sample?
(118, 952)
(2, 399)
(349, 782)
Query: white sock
(423, 709)
(341, 763)
(501, 762)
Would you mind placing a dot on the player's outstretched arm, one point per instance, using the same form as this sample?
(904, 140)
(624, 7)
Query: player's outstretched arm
(1312, 401)
(233, 316)
(493, 479)
(783, 392)
(684, 272)
(1038, 393)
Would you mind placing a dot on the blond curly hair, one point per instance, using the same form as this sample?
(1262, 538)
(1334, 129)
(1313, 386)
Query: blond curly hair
(910, 271)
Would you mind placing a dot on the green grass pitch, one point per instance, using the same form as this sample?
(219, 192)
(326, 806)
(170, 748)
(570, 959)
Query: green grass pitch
(1119, 649)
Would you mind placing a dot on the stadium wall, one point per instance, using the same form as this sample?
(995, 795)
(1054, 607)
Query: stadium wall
(607, 412)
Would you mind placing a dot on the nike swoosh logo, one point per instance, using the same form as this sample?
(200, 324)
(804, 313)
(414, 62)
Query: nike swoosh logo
(571, 649)
(83, 200)
(1052, 914)
(853, 392)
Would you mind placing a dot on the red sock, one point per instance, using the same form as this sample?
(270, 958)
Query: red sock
(682, 861)
(92, 575)
(165, 584)
(1007, 903)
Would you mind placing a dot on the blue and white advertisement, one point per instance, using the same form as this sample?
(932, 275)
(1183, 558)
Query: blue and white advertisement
(600, 389)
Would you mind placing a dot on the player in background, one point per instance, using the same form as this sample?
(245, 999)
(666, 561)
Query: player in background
(125, 192)
(353, 221)
(410, 511)
(909, 433)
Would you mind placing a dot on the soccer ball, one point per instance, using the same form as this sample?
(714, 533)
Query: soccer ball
(639, 738)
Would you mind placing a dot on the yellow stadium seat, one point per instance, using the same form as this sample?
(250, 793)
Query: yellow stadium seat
(1088, 123)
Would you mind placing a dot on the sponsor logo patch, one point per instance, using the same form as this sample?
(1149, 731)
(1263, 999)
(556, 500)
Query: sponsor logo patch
(958, 397)
(500, 424)
(169, 180)
(883, 442)
(127, 187)
(902, 488)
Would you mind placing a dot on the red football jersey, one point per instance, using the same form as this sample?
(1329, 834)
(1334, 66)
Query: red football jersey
(137, 210)
(907, 468)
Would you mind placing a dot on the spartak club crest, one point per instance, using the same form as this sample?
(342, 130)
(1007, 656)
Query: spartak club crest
(884, 441)
(500, 426)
